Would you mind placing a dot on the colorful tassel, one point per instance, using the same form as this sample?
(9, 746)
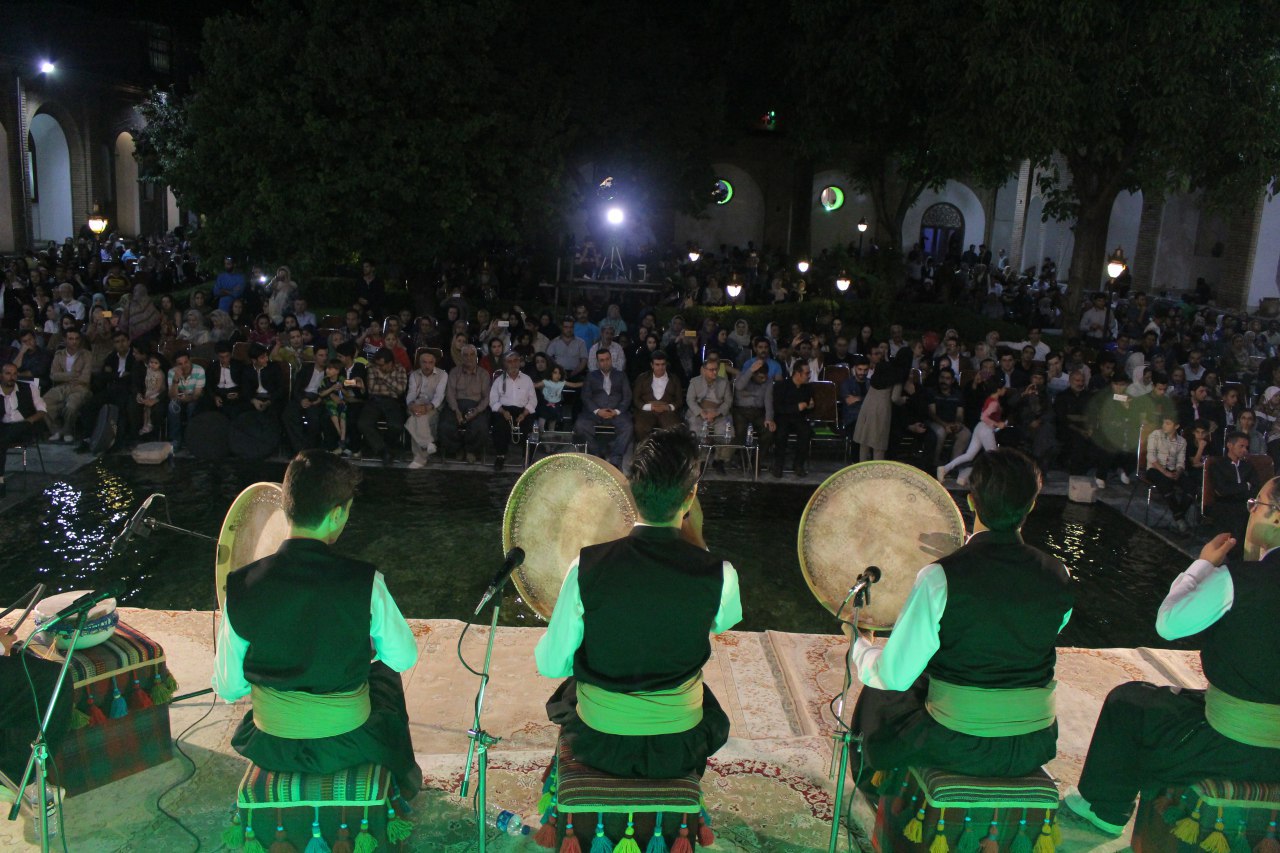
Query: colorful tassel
(233, 836)
(119, 707)
(706, 837)
(317, 843)
(628, 843)
(1269, 844)
(683, 844)
(968, 841)
(1021, 844)
(914, 830)
(939, 843)
(657, 844)
(545, 837)
(365, 842)
(1044, 842)
(1240, 842)
(138, 698)
(251, 843)
(398, 829)
(904, 816)
(991, 842)
(96, 717)
(1056, 830)
(571, 844)
(161, 691)
(601, 843)
(877, 779)
(1187, 829)
(1216, 841)
(79, 719)
(282, 844)
(343, 842)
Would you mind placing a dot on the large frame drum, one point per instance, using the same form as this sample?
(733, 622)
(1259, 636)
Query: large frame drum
(254, 527)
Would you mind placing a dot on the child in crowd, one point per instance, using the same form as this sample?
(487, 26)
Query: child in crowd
(552, 388)
(334, 393)
(153, 386)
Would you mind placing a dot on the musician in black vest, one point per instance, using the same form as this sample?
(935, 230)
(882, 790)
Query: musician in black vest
(965, 682)
(1149, 736)
(630, 629)
(23, 409)
(296, 634)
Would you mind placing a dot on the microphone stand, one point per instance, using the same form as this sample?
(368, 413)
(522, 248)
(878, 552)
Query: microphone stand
(861, 595)
(39, 747)
(480, 739)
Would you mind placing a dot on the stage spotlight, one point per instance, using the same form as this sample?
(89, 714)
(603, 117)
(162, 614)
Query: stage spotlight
(47, 67)
(614, 216)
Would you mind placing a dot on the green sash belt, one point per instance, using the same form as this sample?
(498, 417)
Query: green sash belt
(984, 712)
(303, 716)
(658, 712)
(1252, 723)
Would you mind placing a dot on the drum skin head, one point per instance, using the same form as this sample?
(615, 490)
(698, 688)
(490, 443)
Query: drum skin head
(884, 514)
(254, 527)
(560, 505)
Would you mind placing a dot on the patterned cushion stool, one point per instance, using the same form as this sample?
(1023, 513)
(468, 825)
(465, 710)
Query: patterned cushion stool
(580, 804)
(120, 714)
(351, 807)
(1215, 815)
(923, 808)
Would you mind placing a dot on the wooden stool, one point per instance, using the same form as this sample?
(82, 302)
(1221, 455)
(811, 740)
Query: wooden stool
(1214, 814)
(916, 806)
(581, 802)
(298, 806)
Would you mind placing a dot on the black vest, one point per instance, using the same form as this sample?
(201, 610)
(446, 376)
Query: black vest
(305, 612)
(649, 601)
(1241, 651)
(1005, 604)
(26, 403)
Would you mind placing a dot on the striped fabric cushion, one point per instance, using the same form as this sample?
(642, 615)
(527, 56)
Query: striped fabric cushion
(951, 790)
(584, 789)
(128, 649)
(1245, 795)
(365, 785)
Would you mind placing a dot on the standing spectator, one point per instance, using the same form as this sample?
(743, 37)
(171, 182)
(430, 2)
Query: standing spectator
(606, 400)
(70, 373)
(512, 399)
(1113, 428)
(370, 291)
(282, 290)
(657, 398)
(186, 387)
(153, 391)
(387, 383)
(874, 421)
(23, 409)
(792, 403)
(425, 397)
(230, 285)
(466, 426)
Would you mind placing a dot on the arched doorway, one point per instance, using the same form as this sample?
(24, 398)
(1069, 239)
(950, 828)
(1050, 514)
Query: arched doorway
(7, 243)
(128, 219)
(50, 165)
(942, 230)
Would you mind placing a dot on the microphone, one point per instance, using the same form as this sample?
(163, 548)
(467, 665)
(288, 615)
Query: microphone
(512, 562)
(118, 544)
(89, 600)
(862, 586)
(870, 576)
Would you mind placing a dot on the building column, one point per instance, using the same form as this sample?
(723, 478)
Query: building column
(1145, 253)
(1020, 215)
(1242, 242)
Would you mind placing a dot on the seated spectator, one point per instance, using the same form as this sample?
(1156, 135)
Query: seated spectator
(67, 303)
(23, 408)
(552, 410)
(303, 314)
(186, 387)
(1166, 465)
(424, 400)
(222, 329)
(226, 378)
(1248, 425)
(31, 359)
(491, 362)
(709, 401)
(193, 330)
(262, 333)
(153, 393)
(70, 373)
(261, 384)
(607, 342)
(792, 407)
(1234, 482)
(657, 398)
(304, 416)
(606, 400)
(140, 318)
(569, 351)
(513, 400)
(386, 383)
(946, 416)
(466, 425)
(290, 350)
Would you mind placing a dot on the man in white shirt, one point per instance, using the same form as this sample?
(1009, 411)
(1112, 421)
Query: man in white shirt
(427, 387)
(296, 634)
(513, 400)
(1149, 737)
(23, 409)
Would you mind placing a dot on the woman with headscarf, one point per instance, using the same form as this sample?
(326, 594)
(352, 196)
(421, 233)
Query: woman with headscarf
(613, 317)
(221, 328)
(282, 289)
(1139, 373)
(193, 330)
(741, 335)
(884, 391)
(140, 317)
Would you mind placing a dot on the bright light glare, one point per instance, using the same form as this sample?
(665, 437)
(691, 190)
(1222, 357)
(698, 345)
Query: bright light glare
(803, 266)
(47, 67)
(734, 290)
(1114, 268)
(614, 216)
(842, 284)
(693, 257)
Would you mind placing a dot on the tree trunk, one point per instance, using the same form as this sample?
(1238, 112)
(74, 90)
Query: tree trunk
(1088, 260)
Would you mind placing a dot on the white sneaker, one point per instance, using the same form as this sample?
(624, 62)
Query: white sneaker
(1099, 482)
(69, 438)
(1180, 524)
(963, 479)
(1124, 478)
(1081, 808)
(942, 473)
(415, 465)
(431, 450)
(56, 435)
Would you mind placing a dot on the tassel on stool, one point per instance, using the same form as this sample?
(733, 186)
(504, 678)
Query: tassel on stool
(343, 842)
(118, 706)
(161, 691)
(628, 843)
(251, 843)
(706, 837)
(138, 698)
(657, 844)
(282, 844)
(914, 830)
(877, 779)
(96, 717)
(317, 843)
(904, 817)
(1021, 844)
(1269, 844)
(991, 842)
(1240, 842)
(1055, 829)
(233, 836)
(546, 834)
(1216, 841)
(601, 844)
(1187, 829)
(1044, 842)
(968, 841)
(939, 843)
(683, 844)
(570, 843)
(365, 842)
(398, 829)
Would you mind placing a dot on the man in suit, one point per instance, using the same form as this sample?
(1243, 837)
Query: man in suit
(657, 396)
(1233, 482)
(710, 399)
(226, 379)
(261, 383)
(606, 399)
(304, 418)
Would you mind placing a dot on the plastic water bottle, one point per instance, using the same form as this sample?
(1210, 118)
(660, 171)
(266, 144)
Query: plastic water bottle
(507, 822)
(751, 435)
(728, 430)
(702, 430)
(536, 432)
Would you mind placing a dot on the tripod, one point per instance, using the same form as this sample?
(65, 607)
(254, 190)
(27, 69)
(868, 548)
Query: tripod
(480, 739)
(617, 270)
(844, 737)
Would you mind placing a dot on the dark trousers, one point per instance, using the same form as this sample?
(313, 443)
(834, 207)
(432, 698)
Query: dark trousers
(1150, 737)
(787, 425)
(471, 435)
(897, 732)
(1230, 516)
(381, 408)
(647, 422)
(1106, 461)
(1077, 452)
(383, 739)
(1170, 488)
(18, 723)
(584, 429)
(305, 427)
(753, 416)
(503, 443)
(11, 434)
